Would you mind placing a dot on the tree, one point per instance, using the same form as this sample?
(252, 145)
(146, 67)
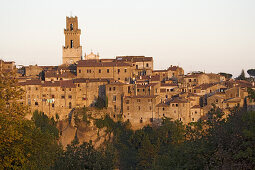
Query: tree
(241, 76)
(226, 75)
(22, 144)
(84, 156)
(251, 72)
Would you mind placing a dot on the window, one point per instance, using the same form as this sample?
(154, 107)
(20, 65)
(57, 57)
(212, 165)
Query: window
(138, 90)
(71, 44)
(136, 66)
(163, 108)
(127, 107)
(78, 85)
(138, 100)
(141, 120)
(195, 112)
(63, 89)
(118, 71)
(108, 71)
(180, 119)
(113, 88)
(99, 71)
(36, 88)
(125, 70)
(110, 89)
(29, 88)
(62, 96)
(70, 96)
(143, 89)
(217, 101)
(139, 108)
(79, 71)
(36, 103)
(127, 101)
(193, 119)
(150, 108)
(147, 65)
(115, 108)
(70, 89)
(53, 105)
(172, 105)
(176, 105)
(70, 105)
(71, 27)
(44, 95)
(189, 80)
(114, 99)
(149, 100)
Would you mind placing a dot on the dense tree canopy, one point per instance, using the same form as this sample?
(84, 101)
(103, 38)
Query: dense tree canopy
(251, 72)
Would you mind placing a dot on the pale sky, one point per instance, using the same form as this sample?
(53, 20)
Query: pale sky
(211, 35)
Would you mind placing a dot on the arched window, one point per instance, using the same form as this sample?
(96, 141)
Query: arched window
(70, 105)
(71, 27)
(71, 45)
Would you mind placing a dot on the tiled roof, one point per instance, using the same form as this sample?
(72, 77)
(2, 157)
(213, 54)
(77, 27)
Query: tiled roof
(196, 107)
(65, 74)
(141, 96)
(89, 63)
(134, 58)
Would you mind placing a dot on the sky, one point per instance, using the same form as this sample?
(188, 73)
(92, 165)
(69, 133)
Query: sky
(198, 35)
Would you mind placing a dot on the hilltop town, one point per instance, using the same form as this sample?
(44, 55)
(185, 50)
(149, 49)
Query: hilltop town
(127, 86)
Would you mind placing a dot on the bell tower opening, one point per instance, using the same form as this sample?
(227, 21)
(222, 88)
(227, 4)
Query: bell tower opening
(71, 44)
(71, 27)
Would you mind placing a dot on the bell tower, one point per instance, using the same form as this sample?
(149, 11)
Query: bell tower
(72, 51)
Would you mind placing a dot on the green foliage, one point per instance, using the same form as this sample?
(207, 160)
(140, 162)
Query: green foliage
(251, 94)
(241, 76)
(251, 72)
(85, 156)
(100, 103)
(45, 124)
(22, 144)
(226, 75)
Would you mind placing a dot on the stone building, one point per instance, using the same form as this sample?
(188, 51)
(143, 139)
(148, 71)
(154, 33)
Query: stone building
(72, 51)
(176, 109)
(7, 65)
(141, 65)
(60, 97)
(140, 110)
(110, 70)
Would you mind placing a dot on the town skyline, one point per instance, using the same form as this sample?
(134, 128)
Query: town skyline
(187, 34)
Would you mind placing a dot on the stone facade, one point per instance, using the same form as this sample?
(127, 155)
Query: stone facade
(72, 51)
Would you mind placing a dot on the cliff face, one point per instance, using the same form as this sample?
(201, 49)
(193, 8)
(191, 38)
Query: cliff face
(81, 124)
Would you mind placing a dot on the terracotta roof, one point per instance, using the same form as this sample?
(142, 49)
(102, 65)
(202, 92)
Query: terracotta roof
(141, 96)
(178, 100)
(159, 71)
(147, 85)
(133, 58)
(31, 82)
(168, 84)
(173, 68)
(162, 105)
(84, 80)
(89, 63)
(233, 100)
(67, 84)
(65, 74)
(205, 86)
(196, 107)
